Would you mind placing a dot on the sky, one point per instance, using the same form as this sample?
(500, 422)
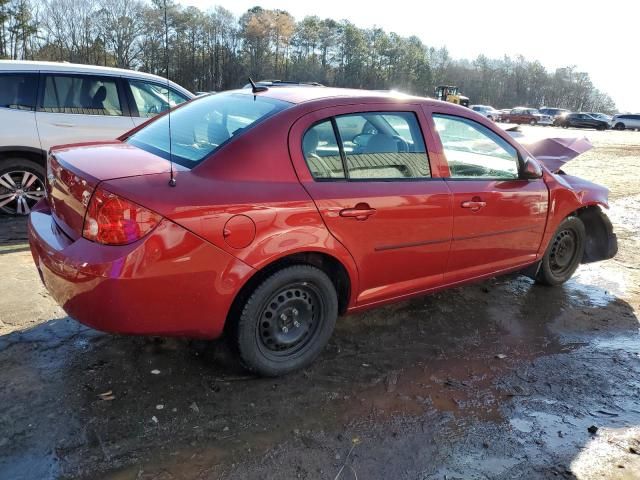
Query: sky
(601, 38)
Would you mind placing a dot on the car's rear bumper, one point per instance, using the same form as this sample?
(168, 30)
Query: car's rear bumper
(169, 283)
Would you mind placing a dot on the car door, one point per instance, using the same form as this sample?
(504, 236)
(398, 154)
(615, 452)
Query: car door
(498, 218)
(148, 99)
(368, 172)
(77, 108)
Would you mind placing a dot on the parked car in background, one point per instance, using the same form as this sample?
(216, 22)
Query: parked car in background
(625, 122)
(44, 104)
(487, 111)
(601, 116)
(584, 120)
(332, 209)
(531, 116)
(557, 114)
(503, 114)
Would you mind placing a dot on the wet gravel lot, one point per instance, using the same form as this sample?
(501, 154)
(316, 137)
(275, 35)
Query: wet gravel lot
(499, 380)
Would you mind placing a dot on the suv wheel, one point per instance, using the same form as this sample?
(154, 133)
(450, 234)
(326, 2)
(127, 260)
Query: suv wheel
(287, 321)
(619, 126)
(21, 185)
(563, 254)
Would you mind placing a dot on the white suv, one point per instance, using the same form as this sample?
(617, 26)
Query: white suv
(43, 104)
(486, 111)
(625, 122)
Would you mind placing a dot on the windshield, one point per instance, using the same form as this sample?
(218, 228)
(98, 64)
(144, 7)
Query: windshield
(204, 125)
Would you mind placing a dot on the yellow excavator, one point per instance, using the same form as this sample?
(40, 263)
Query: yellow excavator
(450, 93)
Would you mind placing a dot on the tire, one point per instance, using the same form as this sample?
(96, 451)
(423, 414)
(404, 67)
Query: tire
(15, 198)
(619, 126)
(286, 321)
(563, 254)
(507, 120)
(532, 122)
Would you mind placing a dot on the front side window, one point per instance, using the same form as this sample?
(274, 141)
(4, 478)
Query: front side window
(388, 146)
(152, 99)
(18, 91)
(204, 125)
(81, 94)
(474, 151)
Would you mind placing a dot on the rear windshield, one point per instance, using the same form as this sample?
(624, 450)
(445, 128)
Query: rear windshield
(201, 127)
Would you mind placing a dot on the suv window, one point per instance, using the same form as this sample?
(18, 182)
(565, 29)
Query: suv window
(151, 99)
(474, 151)
(18, 91)
(389, 146)
(81, 94)
(322, 152)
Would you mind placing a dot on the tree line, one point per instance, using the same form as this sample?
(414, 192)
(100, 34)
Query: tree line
(214, 50)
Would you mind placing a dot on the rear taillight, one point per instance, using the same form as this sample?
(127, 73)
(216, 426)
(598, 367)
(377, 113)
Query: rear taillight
(113, 220)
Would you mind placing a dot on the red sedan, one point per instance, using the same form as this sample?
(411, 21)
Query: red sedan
(265, 214)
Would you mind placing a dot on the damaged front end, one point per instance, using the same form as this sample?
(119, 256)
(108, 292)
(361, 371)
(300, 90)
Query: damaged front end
(573, 195)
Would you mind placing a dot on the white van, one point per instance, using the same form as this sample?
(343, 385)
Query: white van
(43, 104)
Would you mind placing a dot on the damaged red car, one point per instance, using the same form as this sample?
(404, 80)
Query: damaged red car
(263, 214)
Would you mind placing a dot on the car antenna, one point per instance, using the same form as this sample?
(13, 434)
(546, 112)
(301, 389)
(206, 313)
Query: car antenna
(172, 177)
(257, 88)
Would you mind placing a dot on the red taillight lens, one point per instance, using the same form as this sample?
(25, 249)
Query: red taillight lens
(112, 220)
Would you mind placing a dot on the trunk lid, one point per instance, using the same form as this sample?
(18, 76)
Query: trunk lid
(74, 172)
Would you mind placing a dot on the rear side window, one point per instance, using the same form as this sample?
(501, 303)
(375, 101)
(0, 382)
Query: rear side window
(201, 127)
(151, 99)
(18, 91)
(84, 95)
(370, 146)
(474, 151)
(389, 148)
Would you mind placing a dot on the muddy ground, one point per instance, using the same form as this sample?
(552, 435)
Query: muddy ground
(499, 380)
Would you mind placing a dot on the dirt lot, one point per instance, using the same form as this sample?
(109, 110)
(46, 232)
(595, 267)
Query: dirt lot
(499, 380)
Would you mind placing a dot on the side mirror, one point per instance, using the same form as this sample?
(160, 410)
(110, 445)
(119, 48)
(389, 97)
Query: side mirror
(532, 169)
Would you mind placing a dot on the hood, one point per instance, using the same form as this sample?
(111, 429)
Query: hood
(553, 153)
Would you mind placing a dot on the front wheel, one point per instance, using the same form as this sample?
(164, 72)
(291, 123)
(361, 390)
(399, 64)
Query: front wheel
(619, 126)
(287, 321)
(563, 254)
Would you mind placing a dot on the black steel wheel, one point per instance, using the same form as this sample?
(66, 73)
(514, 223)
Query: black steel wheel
(286, 321)
(564, 253)
(21, 186)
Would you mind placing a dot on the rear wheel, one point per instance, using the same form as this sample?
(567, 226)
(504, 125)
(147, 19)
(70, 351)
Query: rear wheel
(287, 321)
(21, 185)
(532, 122)
(564, 253)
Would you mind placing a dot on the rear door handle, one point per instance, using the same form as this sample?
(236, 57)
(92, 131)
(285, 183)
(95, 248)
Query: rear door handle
(475, 204)
(361, 211)
(62, 124)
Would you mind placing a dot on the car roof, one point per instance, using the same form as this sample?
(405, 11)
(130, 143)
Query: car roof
(305, 94)
(64, 67)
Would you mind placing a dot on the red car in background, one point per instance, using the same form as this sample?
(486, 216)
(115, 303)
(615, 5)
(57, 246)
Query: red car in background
(264, 214)
(524, 115)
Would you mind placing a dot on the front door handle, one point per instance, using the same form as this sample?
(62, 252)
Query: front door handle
(63, 124)
(474, 204)
(361, 211)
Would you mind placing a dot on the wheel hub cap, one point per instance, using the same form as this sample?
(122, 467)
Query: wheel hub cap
(563, 251)
(19, 192)
(288, 320)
